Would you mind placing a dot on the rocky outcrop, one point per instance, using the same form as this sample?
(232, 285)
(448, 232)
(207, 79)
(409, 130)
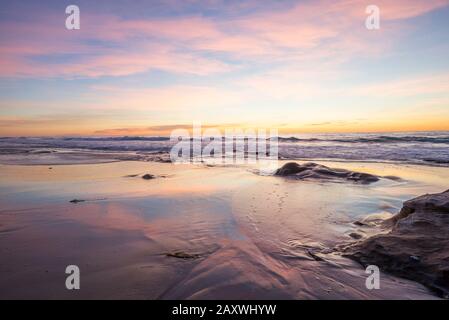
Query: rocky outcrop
(319, 172)
(417, 246)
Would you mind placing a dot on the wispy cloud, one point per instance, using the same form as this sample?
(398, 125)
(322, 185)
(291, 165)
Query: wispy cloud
(310, 63)
(109, 45)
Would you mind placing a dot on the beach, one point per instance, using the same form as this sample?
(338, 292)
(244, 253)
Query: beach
(196, 231)
(238, 150)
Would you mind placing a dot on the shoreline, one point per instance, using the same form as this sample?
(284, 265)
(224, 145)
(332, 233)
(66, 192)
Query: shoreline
(163, 158)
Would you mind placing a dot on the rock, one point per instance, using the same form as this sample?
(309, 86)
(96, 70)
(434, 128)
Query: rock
(183, 255)
(319, 172)
(77, 200)
(355, 235)
(289, 169)
(417, 247)
(148, 176)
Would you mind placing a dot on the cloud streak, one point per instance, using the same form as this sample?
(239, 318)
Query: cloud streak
(129, 71)
(108, 45)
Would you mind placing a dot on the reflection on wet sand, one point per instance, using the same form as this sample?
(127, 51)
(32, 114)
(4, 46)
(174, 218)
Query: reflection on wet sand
(251, 236)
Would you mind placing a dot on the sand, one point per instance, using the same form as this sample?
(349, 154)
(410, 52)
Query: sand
(195, 231)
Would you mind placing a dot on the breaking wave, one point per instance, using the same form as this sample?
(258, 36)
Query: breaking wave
(431, 148)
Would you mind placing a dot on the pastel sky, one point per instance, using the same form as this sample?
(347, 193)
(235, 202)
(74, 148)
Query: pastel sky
(145, 67)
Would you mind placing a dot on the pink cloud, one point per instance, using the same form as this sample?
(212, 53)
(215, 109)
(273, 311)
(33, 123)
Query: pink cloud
(108, 45)
(131, 50)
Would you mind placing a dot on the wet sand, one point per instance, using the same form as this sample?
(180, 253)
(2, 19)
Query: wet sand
(248, 235)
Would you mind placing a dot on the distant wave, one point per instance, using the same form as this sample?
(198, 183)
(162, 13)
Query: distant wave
(379, 139)
(443, 139)
(124, 138)
(438, 161)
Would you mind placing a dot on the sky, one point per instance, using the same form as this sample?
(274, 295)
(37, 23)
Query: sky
(147, 67)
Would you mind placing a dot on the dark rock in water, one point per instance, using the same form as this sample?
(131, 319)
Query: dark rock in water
(148, 176)
(417, 247)
(290, 168)
(355, 235)
(319, 172)
(183, 255)
(77, 200)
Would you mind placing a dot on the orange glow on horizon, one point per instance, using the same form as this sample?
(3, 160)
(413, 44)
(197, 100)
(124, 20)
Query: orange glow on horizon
(88, 130)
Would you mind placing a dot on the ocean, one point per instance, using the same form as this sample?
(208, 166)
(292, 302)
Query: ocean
(427, 148)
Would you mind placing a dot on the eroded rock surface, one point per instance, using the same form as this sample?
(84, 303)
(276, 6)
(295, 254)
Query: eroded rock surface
(417, 247)
(319, 172)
